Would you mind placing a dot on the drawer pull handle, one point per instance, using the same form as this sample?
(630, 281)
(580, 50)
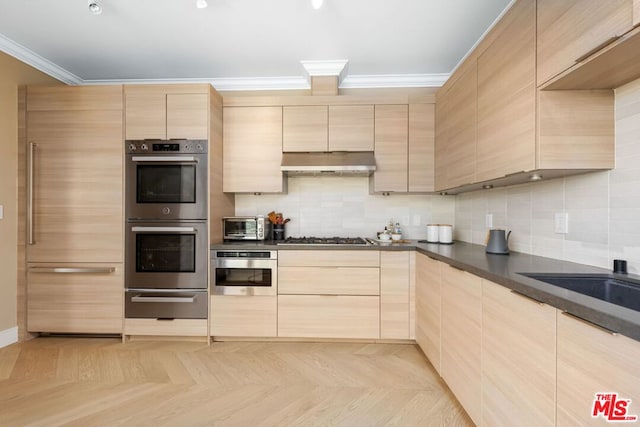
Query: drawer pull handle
(73, 270)
(597, 48)
(588, 322)
(527, 297)
(163, 299)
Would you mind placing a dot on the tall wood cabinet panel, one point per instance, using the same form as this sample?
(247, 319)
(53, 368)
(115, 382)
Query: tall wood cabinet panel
(252, 145)
(421, 148)
(461, 110)
(391, 148)
(146, 114)
(305, 128)
(187, 116)
(394, 295)
(77, 186)
(569, 29)
(428, 308)
(592, 361)
(351, 128)
(507, 95)
(518, 359)
(79, 298)
(462, 338)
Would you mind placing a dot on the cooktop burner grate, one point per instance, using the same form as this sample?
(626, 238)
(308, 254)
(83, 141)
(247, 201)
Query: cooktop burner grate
(323, 241)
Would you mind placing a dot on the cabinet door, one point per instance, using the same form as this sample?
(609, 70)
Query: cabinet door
(75, 298)
(323, 316)
(329, 258)
(421, 148)
(187, 116)
(305, 128)
(636, 12)
(569, 29)
(592, 361)
(77, 186)
(252, 146)
(428, 308)
(442, 143)
(329, 280)
(351, 128)
(243, 316)
(462, 338)
(146, 113)
(394, 295)
(507, 96)
(461, 130)
(518, 359)
(391, 148)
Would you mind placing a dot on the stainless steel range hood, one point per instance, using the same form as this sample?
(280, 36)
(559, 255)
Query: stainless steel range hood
(352, 163)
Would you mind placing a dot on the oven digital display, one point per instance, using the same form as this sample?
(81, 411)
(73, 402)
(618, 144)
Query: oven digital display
(166, 147)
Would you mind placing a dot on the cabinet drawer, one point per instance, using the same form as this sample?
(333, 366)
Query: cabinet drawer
(244, 316)
(166, 327)
(329, 280)
(321, 316)
(75, 298)
(328, 258)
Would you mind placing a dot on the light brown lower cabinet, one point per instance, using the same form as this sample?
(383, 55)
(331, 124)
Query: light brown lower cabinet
(591, 361)
(428, 308)
(75, 298)
(243, 316)
(394, 295)
(462, 338)
(518, 359)
(329, 316)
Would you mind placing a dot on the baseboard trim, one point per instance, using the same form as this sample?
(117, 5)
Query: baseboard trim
(8, 336)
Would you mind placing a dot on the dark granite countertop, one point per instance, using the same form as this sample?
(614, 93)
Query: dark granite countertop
(504, 270)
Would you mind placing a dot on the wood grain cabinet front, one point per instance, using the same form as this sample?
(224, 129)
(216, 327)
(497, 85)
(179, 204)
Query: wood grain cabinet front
(166, 111)
(428, 308)
(243, 316)
(394, 295)
(305, 128)
(569, 30)
(351, 128)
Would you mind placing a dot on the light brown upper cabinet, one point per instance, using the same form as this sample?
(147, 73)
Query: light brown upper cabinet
(636, 12)
(441, 142)
(305, 128)
(506, 97)
(166, 111)
(391, 148)
(421, 147)
(351, 128)
(252, 146)
(570, 30)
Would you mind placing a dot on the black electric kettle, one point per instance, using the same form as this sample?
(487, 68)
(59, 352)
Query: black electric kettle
(498, 242)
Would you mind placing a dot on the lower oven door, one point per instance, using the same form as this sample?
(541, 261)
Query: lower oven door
(167, 255)
(165, 304)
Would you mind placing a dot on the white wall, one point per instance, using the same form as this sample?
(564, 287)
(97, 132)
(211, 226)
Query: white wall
(342, 206)
(603, 207)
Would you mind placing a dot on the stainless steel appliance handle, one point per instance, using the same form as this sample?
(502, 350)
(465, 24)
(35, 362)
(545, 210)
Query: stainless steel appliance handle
(30, 178)
(163, 229)
(163, 299)
(184, 159)
(73, 270)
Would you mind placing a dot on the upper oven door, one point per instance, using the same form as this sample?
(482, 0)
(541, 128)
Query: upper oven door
(167, 255)
(166, 186)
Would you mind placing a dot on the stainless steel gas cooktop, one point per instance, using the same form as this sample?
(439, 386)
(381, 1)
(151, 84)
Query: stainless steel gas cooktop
(323, 241)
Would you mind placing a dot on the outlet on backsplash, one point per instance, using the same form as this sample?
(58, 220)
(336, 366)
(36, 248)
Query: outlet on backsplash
(561, 225)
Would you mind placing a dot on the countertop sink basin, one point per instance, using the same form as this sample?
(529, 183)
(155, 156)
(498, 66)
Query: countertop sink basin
(625, 293)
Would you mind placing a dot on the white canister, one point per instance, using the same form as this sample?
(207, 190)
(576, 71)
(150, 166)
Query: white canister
(445, 233)
(432, 233)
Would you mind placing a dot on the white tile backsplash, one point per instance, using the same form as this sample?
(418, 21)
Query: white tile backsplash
(603, 207)
(342, 206)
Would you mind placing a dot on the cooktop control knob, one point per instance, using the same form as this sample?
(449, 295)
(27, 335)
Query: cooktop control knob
(199, 147)
(144, 147)
(187, 147)
(132, 147)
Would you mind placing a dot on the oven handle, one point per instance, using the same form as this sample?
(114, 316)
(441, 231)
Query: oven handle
(163, 229)
(246, 263)
(138, 298)
(183, 159)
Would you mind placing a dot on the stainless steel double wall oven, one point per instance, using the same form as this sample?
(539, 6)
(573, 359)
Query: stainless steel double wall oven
(166, 229)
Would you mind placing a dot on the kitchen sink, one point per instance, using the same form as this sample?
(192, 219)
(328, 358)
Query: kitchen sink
(625, 293)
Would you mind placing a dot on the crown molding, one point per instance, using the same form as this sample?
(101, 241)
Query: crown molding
(337, 67)
(394, 80)
(221, 84)
(31, 58)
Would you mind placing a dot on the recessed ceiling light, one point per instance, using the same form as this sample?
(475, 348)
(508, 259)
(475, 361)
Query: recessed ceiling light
(317, 4)
(201, 4)
(94, 7)
(535, 177)
(487, 186)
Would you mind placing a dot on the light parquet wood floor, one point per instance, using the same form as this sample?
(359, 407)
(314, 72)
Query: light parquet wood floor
(102, 382)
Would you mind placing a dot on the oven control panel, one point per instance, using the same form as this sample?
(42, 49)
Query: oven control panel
(172, 146)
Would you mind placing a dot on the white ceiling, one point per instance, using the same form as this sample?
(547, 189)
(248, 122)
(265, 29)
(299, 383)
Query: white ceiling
(244, 43)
